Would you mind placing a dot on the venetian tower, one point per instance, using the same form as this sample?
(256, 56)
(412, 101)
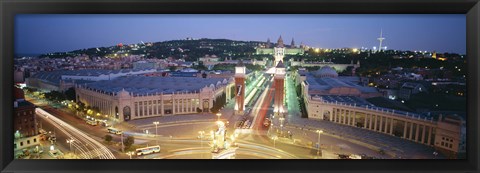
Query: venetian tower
(279, 79)
(240, 88)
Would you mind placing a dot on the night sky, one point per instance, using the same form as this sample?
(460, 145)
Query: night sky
(36, 34)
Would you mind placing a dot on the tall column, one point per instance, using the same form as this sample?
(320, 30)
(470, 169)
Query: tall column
(375, 123)
(386, 125)
(424, 134)
(145, 106)
(184, 105)
(347, 116)
(174, 106)
(365, 122)
(405, 130)
(417, 131)
(190, 105)
(332, 114)
(391, 126)
(354, 116)
(137, 110)
(162, 112)
(335, 119)
(411, 131)
(430, 133)
(370, 119)
(339, 116)
(380, 128)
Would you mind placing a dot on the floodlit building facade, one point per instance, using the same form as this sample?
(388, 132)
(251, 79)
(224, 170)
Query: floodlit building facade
(280, 50)
(338, 99)
(134, 97)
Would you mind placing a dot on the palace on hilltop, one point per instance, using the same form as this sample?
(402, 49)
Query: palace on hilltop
(280, 50)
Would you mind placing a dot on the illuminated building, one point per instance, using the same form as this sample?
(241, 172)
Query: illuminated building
(280, 50)
(134, 97)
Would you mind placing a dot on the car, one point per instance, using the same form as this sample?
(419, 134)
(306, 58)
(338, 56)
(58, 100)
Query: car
(343, 156)
(42, 131)
(55, 153)
(266, 123)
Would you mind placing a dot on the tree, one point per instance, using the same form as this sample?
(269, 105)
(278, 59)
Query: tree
(70, 94)
(129, 141)
(108, 138)
(172, 68)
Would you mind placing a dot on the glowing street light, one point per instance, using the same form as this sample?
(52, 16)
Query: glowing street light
(130, 153)
(282, 119)
(318, 149)
(218, 115)
(70, 141)
(274, 139)
(201, 137)
(156, 126)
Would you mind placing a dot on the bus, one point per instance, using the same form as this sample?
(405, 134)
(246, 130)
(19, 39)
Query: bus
(148, 150)
(114, 131)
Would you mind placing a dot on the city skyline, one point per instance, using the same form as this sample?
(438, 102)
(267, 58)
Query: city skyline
(39, 34)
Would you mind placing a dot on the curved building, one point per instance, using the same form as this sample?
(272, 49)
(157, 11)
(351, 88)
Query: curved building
(134, 97)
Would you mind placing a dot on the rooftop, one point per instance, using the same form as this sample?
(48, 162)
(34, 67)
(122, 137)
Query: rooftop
(327, 83)
(362, 103)
(143, 85)
(54, 77)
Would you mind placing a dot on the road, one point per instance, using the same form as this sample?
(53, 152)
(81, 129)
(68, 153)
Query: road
(89, 148)
(257, 144)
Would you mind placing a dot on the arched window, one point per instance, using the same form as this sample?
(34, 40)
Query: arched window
(116, 112)
(126, 113)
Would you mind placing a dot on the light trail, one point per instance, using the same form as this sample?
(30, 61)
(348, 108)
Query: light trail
(97, 149)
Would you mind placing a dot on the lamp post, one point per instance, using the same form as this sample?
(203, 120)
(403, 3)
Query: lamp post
(218, 115)
(201, 139)
(156, 134)
(70, 141)
(281, 124)
(130, 153)
(121, 136)
(274, 139)
(318, 149)
(270, 127)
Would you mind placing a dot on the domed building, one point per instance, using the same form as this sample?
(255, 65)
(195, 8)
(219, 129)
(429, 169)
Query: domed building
(325, 81)
(326, 71)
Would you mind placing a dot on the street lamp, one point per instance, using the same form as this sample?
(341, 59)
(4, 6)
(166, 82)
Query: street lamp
(156, 126)
(70, 141)
(201, 137)
(318, 149)
(130, 153)
(218, 115)
(281, 124)
(121, 136)
(274, 139)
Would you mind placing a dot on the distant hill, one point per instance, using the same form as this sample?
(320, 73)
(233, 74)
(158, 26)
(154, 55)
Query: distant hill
(189, 49)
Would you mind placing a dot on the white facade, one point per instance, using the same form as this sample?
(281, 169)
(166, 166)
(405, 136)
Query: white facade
(279, 54)
(125, 106)
(22, 143)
